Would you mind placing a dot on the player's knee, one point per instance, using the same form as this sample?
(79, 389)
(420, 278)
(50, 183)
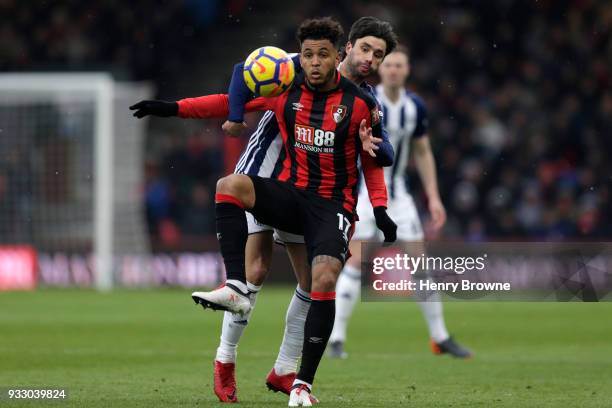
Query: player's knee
(324, 279)
(238, 186)
(256, 272)
(227, 184)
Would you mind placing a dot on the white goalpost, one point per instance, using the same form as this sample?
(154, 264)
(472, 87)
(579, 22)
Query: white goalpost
(73, 166)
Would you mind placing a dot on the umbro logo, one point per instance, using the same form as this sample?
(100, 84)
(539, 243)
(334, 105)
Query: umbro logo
(297, 106)
(316, 340)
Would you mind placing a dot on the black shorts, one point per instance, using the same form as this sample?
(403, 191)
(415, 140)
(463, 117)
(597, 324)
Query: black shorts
(326, 225)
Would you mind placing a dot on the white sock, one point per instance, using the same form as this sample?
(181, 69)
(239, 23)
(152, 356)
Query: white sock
(293, 339)
(241, 286)
(348, 290)
(432, 312)
(296, 382)
(233, 327)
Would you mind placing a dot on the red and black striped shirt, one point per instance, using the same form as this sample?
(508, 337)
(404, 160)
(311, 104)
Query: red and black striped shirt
(320, 132)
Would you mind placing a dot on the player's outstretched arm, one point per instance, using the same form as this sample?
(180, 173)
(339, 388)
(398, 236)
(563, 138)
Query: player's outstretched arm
(209, 106)
(156, 108)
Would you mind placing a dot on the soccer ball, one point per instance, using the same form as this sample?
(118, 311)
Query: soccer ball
(268, 71)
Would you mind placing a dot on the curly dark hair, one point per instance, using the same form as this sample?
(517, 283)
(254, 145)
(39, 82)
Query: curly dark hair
(324, 28)
(366, 26)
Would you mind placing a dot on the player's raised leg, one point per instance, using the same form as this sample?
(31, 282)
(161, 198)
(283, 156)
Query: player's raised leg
(235, 193)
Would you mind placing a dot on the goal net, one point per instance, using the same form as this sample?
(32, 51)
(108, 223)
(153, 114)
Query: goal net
(71, 168)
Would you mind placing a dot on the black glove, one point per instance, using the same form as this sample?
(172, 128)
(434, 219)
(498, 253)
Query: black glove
(385, 224)
(156, 108)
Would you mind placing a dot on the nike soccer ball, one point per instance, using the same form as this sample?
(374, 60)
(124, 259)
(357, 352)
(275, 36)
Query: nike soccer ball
(268, 71)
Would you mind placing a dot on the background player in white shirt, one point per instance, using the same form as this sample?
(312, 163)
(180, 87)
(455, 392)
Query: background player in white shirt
(405, 118)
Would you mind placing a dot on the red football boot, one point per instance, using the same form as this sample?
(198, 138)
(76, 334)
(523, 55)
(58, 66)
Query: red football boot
(283, 383)
(225, 381)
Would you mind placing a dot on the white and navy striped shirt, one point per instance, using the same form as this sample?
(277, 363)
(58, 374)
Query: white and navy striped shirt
(404, 119)
(264, 154)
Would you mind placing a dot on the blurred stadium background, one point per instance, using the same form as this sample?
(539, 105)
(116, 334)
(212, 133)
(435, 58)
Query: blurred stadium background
(520, 103)
(518, 94)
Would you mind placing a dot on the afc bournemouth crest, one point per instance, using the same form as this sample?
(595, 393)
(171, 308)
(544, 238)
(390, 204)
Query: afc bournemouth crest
(338, 112)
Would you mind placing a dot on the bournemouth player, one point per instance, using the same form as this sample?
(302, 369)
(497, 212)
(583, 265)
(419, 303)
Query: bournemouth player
(315, 193)
(405, 118)
(317, 184)
(369, 41)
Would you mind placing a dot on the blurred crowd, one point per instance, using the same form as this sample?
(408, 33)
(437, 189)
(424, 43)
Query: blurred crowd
(138, 39)
(180, 188)
(520, 105)
(518, 92)
(520, 111)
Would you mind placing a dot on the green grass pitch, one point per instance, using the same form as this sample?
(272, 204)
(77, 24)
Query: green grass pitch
(155, 349)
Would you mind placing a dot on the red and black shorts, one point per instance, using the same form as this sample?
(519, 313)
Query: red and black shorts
(326, 225)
